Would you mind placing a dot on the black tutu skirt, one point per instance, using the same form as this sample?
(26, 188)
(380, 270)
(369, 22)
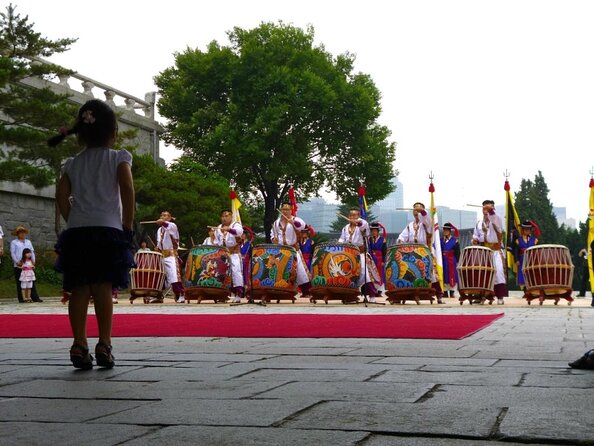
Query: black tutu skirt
(95, 255)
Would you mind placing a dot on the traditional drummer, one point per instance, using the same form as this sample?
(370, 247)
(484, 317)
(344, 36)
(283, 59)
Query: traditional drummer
(488, 232)
(168, 244)
(420, 230)
(228, 234)
(285, 231)
(357, 233)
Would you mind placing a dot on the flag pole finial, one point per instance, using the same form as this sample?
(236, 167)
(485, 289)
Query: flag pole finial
(431, 176)
(506, 174)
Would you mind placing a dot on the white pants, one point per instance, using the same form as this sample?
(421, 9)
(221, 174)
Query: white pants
(364, 276)
(236, 269)
(25, 284)
(172, 270)
(498, 265)
(302, 274)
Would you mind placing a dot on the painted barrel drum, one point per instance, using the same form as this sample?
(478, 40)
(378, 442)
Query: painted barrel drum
(149, 274)
(548, 267)
(273, 267)
(475, 269)
(335, 265)
(408, 265)
(208, 266)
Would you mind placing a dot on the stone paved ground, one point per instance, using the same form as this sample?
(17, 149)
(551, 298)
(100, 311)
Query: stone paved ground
(507, 384)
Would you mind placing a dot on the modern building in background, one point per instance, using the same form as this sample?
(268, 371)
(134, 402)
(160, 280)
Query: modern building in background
(561, 215)
(321, 214)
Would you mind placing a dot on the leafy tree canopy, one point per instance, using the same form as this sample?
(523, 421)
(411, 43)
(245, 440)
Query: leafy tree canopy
(272, 109)
(193, 194)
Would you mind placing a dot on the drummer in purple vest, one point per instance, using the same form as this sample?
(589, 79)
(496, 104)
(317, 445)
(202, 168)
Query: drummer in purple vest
(450, 252)
(285, 231)
(528, 238)
(488, 232)
(420, 230)
(357, 233)
(228, 234)
(378, 249)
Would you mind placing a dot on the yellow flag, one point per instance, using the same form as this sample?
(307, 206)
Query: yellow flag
(591, 234)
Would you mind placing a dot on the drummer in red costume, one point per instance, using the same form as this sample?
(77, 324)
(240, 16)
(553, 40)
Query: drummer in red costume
(530, 231)
(285, 231)
(168, 244)
(488, 232)
(450, 252)
(356, 233)
(378, 248)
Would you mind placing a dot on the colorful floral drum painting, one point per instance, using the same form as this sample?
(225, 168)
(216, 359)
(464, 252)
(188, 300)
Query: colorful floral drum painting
(274, 266)
(208, 267)
(408, 266)
(335, 265)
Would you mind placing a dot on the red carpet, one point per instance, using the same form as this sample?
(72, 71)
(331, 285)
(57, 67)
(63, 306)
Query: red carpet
(255, 325)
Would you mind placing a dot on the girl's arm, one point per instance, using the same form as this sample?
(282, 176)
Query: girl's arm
(126, 184)
(63, 192)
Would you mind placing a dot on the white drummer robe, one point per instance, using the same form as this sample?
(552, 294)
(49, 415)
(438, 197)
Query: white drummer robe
(492, 240)
(229, 240)
(167, 243)
(357, 236)
(416, 232)
(284, 233)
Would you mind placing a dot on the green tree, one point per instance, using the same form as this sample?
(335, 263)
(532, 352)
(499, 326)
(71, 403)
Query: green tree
(532, 203)
(194, 196)
(31, 114)
(272, 109)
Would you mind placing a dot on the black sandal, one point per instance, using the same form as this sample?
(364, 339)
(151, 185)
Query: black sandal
(104, 356)
(80, 357)
(586, 362)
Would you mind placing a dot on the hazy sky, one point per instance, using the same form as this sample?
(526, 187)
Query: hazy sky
(469, 88)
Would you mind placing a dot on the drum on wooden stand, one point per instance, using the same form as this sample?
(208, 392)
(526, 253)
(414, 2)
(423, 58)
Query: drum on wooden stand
(409, 269)
(207, 274)
(548, 273)
(335, 268)
(147, 280)
(273, 273)
(476, 274)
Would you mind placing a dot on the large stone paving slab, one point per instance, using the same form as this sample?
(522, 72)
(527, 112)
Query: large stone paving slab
(58, 410)
(519, 397)
(384, 440)
(247, 436)
(487, 376)
(210, 412)
(547, 423)
(65, 434)
(399, 418)
(351, 391)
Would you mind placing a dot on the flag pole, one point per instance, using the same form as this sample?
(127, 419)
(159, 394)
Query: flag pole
(436, 243)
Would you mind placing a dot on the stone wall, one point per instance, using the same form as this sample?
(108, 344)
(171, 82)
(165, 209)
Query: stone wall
(21, 204)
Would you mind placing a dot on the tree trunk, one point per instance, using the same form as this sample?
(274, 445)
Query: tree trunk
(270, 205)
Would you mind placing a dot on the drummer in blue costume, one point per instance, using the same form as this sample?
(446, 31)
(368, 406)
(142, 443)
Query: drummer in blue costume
(450, 252)
(528, 238)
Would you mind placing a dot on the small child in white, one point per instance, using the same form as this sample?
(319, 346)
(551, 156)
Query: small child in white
(27, 274)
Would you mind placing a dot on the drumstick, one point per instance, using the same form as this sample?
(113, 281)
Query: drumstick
(147, 222)
(286, 218)
(404, 209)
(340, 215)
(151, 240)
(475, 205)
(192, 240)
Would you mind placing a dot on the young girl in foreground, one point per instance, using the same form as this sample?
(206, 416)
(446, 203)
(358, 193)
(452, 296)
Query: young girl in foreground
(95, 196)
